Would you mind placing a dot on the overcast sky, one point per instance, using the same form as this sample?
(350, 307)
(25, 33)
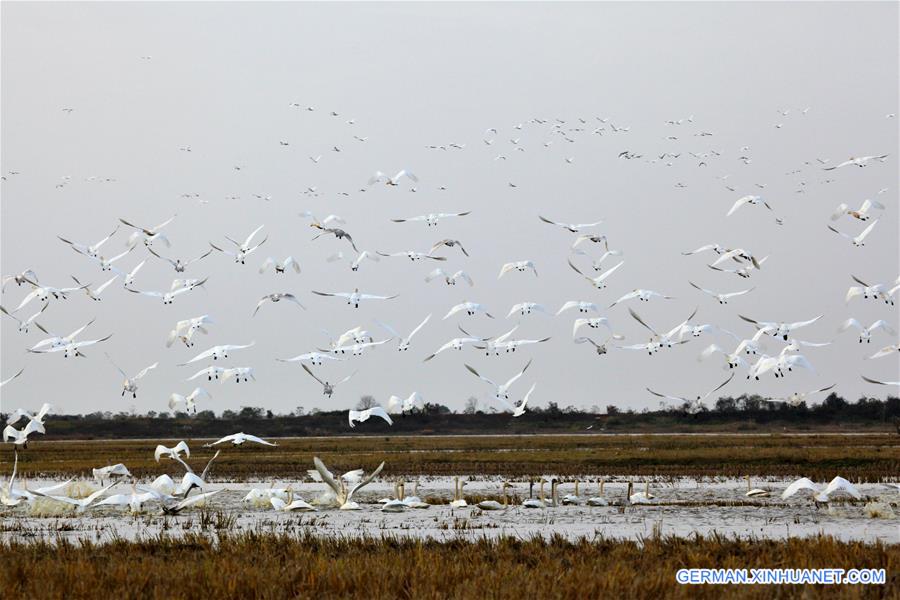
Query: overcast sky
(146, 79)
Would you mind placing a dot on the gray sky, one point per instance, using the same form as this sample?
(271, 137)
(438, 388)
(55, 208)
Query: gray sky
(220, 80)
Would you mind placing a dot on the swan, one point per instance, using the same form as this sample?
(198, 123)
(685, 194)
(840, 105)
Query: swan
(797, 398)
(573, 227)
(862, 214)
(599, 499)
(128, 278)
(355, 349)
(696, 404)
(755, 492)
(134, 501)
(116, 470)
(738, 255)
(455, 344)
(262, 495)
(314, 358)
(667, 339)
(517, 410)
(836, 486)
(877, 382)
(861, 161)
(597, 264)
(860, 239)
(184, 330)
(43, 294)
(644, 497)
(598, 282)
(239, 438)
(240, 255)
(19, 437)
(748, 199)
(521, 266)
(180, 265)
(865, 333)
(189, 401)
(26, 276)
(217, 352)
(448, 278)
(431, 219)
(171, 452)
(470, 308)
(147, 234)
(169, 297)
(527, 308)
(277, 297)
(210, 373)
(403, 342)
(449, 244)
(37, 418)
(511, 345)
(355, 263)
(582, 306)
(25, 325)
(744, 271)
(280, 266)
(412, 256)
(714, 247)
(572, 499)
(458, 500)
(326, 221)
(778, 364)
(393, 181)
(80, 504)
(5, 381)
(721, 297)
(878, 291)
(292, 504)
(803, 484)
(602, 348)
(501, 392)
(95, 293)
(780, 329)
(493, 504)
(595, 239)
(174, 509)
(327, 388)
(354, 297)
(130, 384)
(642, 295)
(886, 351)
(364, 415)
(397, 405)
(413, 501)
(245, 373)
(535, 502)
(342, 497)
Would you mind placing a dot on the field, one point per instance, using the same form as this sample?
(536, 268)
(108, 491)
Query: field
(863, 457)
(280, 566)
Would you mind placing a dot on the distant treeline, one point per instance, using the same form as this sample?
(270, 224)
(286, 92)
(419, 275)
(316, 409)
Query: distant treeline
(744, 413)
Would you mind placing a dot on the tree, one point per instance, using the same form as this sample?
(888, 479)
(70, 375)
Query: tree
(471, 406)
(366, 402)
(612, 410)
(251, 412)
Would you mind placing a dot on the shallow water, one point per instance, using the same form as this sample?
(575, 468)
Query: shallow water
(682, 507)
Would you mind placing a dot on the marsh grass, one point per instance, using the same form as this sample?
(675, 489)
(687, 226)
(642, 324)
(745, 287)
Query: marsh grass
(866, 457)
(262, 565)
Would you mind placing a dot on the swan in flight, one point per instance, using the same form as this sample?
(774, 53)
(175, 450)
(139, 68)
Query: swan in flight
(593, 323)
(55, 341)
(380, 176)
(363, 415)
(582, 306)
(520, 266)
(601, 348)
(517, 410)
(456, 344)
(714, 247)
(721, 297)
(878, 291)
(354, 297)
(861, 161)
(694, 404)
(189, 401)
(171, 452)
(798, 398)
(594, 239)
(598, 282)
(178, 264)
(110, 471)
(431, 219)
(449, 279)
(169, 297)
(886, 351)
(184, 330)
(95, 293)
(501, 392)
(859, 240)
(343, 497)
(339, 234)
(5, 381)
(280, 266)
(92, 250)
(26, 276)
(356, 349)
(245, 373)
(26, 324)
(237, 439)
(240, 255)
(744, 271)
(470, 308)
(449, 244)
(326, 221)
(327, 388)
(597, 264)
(777, 364)
(19, 437)
(404, 342)
(314, 358)
(130, 386)
(43, 294)
(642, 295)
(354, 264)
(411, 255)
(148, 235)
(738, 255)
(80, 504)
(217, 352)
(72, 349)
(497, 345)
(397, 405)
(782, 330)
(357, 334)
(527, 308)
(573, 227)
(733, 360)
(877, 382)
(748, 199)
(862, 214)
(128, 278)
(134, 501)
(666, 339)
(209, 372)
(865, 333)
(277, 297)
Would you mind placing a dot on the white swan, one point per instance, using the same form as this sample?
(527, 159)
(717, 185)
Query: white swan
(343, 497)
(721, 297)
(449, 279)
(599, 281)
(526, 308)
(573, 227)
(178, 264)
(521, 266)
(458, 500)
(862, 214)
(360, 416)
(860, 239)
(397, 405)
(780, 329)
(175, 450)
(501, 392)
(116, 470)
(380, 176)
(470, 308)
(865, 333)
(354, 297)
(239, 438)
(169, 297)
(148, 234)
(493, 504)
(37, 418)
(694, 404)
(280, 266)
(277, 297)
(797, 398)
(748, 199)
(860, 161)
(129, 385)
(327, 388)
(642, 295)
(189, 401)
(403, 342)
(314, 358)
(582, 306)
(756, 492)
(19, 437)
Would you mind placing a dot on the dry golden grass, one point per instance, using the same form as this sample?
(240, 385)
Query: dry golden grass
(868, 457)
(256, 565)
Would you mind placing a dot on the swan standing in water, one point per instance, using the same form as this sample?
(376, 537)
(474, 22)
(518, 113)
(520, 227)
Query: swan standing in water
(458, 500)
(573, 498)
(756, 492)
(599, 499)
(493, 504)
(539, 502)
(644, 497)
